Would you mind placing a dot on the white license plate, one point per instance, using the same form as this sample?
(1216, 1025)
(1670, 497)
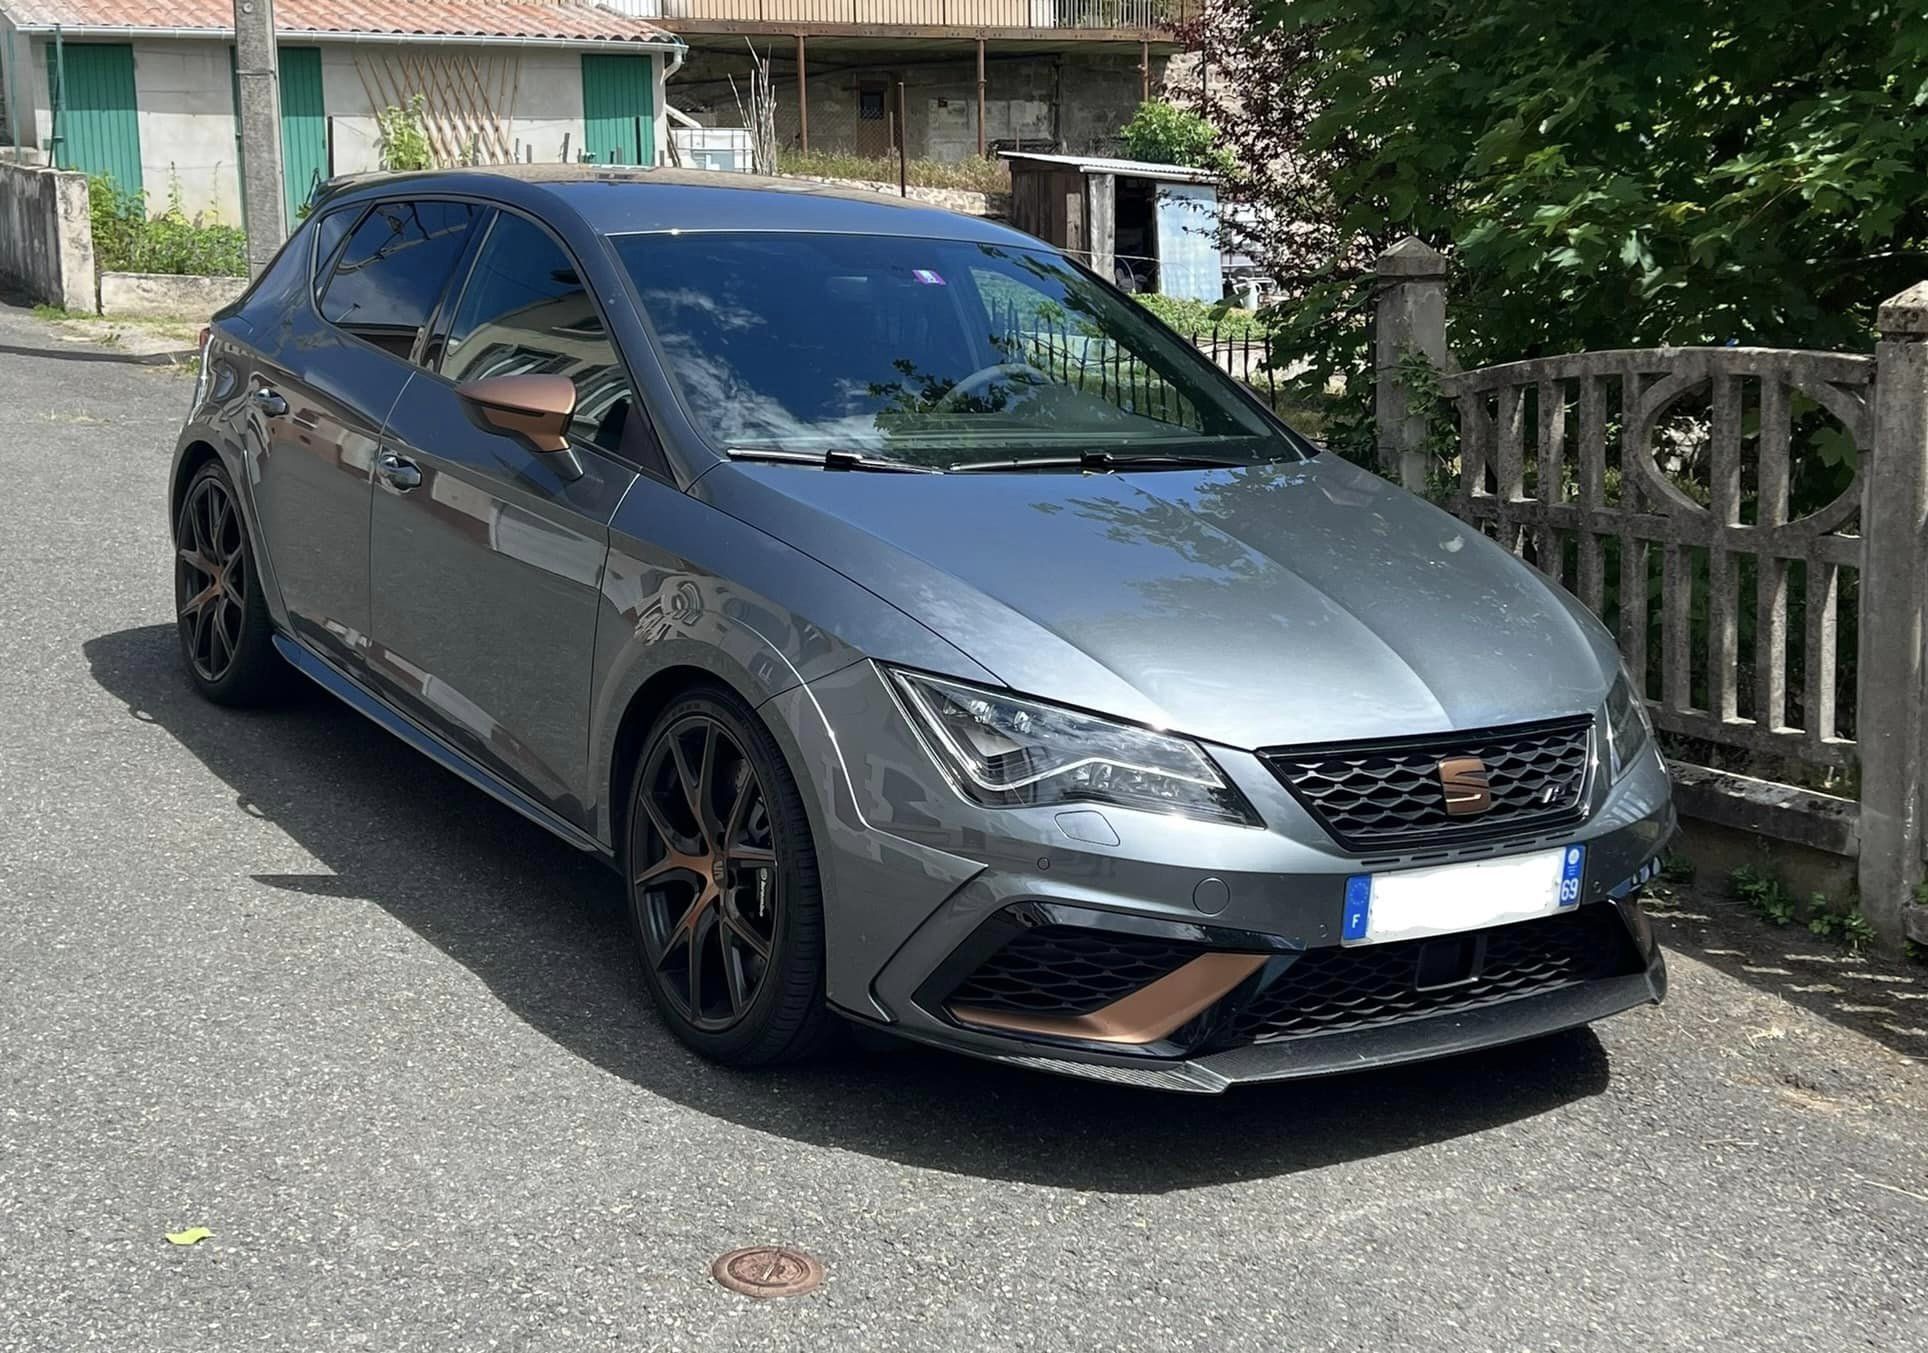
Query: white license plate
(1447, 898)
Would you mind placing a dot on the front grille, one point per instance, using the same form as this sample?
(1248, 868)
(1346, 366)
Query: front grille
(1387, 795)
(1068, 970)
(1332, 990)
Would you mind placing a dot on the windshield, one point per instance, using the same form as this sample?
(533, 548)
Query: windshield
(931, 352)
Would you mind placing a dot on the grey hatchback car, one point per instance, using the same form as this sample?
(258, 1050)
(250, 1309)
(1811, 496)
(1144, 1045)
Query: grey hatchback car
(931, 639)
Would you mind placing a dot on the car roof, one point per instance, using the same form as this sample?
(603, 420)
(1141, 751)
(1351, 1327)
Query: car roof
(616, 200)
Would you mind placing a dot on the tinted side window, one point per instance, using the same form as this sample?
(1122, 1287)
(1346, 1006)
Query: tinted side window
(525, 310)
(393, 270)
(328, 232)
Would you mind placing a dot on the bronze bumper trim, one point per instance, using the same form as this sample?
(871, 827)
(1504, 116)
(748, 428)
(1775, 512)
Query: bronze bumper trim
(1145, 1016)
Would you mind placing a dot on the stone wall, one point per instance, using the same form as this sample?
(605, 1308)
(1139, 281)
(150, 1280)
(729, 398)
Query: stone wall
(46, 236)
(166, 295)
(1070, 101)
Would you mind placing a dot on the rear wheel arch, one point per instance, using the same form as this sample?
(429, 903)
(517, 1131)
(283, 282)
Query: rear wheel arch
(186, 467)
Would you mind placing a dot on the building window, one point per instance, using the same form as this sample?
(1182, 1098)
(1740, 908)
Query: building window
(870, 104)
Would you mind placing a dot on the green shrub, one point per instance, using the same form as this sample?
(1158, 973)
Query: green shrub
(402, 136)
(1203, 317)
(1164, 133)
(127, 239)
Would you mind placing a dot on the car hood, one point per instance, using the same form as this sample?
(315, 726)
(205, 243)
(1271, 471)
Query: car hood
(1257, 606)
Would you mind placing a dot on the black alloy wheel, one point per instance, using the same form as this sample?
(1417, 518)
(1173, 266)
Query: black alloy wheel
(227, 639)
(707, 889)
(723, 888)
(210, 578)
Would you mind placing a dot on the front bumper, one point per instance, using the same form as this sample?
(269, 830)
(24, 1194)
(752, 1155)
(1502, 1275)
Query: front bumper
(924, 893)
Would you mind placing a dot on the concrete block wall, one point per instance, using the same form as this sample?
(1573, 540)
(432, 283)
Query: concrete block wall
(46, 235)
(184, 98)
(1069, 99)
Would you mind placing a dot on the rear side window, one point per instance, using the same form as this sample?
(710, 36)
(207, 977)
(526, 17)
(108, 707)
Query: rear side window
(328, 232)
(393, 270)
(525, 310)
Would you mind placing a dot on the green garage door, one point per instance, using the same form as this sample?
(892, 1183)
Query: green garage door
(618, 109)
(304, 126)
(94, 114)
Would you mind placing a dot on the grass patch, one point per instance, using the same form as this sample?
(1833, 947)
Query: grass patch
(978, 176)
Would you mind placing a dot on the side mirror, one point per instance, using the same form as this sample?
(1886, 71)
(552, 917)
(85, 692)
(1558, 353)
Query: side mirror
(533, 409)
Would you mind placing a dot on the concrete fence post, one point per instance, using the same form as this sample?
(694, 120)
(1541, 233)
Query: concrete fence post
(258, 83)
(1409, 316)
(1894, 594)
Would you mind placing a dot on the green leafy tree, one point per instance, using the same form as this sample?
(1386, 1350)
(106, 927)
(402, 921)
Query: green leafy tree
(1645, 172)
(1164, 133)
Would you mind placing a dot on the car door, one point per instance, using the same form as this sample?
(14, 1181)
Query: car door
(322, 389)
(487, 556)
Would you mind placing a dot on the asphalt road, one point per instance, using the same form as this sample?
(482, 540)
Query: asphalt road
(273, 975)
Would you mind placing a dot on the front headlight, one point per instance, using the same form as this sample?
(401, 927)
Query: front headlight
(1629, 729)
(1006, 752)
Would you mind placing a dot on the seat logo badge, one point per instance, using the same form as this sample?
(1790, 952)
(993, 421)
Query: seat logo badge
(1464, 780)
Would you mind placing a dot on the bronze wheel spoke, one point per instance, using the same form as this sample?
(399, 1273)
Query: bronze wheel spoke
(705, 798)
(692, 790)
(672, 864)
(204, 512)
(747, 935)
(701, 928)
(200, 599)
(654, 812)
(739, 807)
(754, 856)
(735, 979)
(201, 644)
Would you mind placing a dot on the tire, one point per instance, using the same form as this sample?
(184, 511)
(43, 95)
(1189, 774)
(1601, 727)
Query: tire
(733, 954)
(221, 618)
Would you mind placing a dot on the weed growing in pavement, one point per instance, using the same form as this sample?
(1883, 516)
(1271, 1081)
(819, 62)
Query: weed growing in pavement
(1765, 895)
(1771, 900)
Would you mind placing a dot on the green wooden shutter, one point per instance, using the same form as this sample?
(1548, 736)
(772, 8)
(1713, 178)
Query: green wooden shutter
(619, 108)
(98, 129)
(304, 125)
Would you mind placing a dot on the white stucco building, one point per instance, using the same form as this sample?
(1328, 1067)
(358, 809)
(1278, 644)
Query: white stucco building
(145, 89)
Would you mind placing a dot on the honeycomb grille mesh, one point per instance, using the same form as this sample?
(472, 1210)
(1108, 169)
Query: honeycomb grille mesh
(1068, 970)
(1388, 795)
(1334, 990)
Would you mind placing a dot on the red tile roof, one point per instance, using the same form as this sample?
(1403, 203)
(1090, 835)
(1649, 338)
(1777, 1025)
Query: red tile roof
(554, 20)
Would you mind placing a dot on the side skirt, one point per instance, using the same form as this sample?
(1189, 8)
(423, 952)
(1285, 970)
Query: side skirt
(378, 711)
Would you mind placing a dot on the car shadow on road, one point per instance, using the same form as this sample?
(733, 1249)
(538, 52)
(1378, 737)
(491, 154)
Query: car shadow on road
(543, 926)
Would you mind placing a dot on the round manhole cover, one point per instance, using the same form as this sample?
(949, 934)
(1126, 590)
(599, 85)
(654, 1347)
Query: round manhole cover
(768, 1271)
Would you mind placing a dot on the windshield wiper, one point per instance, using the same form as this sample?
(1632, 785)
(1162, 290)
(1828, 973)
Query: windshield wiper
(830, 460)
(1102, 460)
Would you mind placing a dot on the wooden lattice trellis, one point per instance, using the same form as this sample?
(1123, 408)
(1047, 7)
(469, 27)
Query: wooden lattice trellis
(469, 97)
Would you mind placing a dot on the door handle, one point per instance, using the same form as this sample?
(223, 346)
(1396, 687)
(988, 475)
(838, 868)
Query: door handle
(270, 403)
(401, 473)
